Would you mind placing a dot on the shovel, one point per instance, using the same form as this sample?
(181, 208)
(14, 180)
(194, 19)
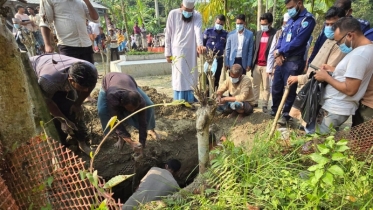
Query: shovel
(274, 125)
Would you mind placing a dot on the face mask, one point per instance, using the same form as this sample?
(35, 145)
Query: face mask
(344, 49)
(329, 33)
(264, 28)
(235, 80)
(293, 12)
(187, 14)
(16, 26)
(218, 27)
(239, 27)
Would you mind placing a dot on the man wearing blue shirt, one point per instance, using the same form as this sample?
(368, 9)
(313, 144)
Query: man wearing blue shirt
(290, 55)
(346, 6)
(215, 39)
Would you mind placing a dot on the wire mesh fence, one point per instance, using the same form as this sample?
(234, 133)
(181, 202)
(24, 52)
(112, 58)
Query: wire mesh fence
(46, 174)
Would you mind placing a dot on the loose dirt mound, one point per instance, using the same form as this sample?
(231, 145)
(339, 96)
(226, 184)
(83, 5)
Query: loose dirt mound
(177, 126)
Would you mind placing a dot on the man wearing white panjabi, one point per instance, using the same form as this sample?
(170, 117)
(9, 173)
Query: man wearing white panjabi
(183, 41)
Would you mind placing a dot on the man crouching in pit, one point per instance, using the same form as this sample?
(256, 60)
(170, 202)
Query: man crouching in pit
(65, 83)
(120, 96)
(240, 101)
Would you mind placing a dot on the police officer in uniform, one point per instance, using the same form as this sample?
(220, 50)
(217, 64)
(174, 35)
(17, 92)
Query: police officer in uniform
(215, 39)
(289, 55)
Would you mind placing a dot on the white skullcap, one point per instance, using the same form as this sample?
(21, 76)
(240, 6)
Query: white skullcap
(188, 4)
(286, 17)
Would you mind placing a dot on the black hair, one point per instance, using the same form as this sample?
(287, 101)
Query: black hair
(343, 4)
(85, 74)
(334, 12)
(347, 24)
(28, 7)
(241, 17)
(130, 97)
(267, 16)
(174, 165)
(19, 6)
(221, 17)
(296, 1)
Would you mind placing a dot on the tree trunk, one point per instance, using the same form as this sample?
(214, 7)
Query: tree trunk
(16, 118)
(260, 11)
(125, 21)
(274, 11)
(204, 116)
(157, 12)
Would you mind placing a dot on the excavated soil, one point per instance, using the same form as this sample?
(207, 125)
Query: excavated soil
(176, 124)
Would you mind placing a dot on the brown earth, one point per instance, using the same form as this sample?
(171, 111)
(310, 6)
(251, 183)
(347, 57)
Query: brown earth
(176, 124)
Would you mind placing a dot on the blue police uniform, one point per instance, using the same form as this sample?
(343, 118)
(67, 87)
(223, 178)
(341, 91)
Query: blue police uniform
(365, 25)
(216, 41)
(292, 46)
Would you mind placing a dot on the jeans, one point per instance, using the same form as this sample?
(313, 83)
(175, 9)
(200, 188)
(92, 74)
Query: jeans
(104, 113)
(282, 73)
(122, 46)
(331, 119)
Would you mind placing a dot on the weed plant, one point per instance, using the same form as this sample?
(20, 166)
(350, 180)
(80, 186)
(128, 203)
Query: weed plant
(270, 176)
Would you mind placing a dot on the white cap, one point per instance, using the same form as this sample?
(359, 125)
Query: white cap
(286, 17)
(188, 4)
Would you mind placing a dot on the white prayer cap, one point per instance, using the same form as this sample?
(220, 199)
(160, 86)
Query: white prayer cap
(286, 17)
(188, 4)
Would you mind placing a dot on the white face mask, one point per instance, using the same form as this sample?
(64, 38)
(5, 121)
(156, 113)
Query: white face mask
(264, 28)
(235, 80)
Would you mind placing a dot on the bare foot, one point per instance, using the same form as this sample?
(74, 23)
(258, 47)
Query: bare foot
(119, 144)
(240, 117)
(84, 147)
(153, 134)
(233, 115)
(223, 138)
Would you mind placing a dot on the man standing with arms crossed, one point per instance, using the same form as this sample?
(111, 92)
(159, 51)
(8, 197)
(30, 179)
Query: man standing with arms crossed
(290, 55)
(69, 18)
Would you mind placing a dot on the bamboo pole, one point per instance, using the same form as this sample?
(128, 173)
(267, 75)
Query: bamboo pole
(279, 110)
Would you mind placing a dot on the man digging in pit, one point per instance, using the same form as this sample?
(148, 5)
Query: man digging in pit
(65, 83)
(120, 96)
(241, 97)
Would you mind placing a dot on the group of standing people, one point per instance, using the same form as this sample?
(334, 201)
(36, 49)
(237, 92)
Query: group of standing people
(274, 57)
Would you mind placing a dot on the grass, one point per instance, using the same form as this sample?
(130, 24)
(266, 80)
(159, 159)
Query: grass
(132, 52)
(275, 177)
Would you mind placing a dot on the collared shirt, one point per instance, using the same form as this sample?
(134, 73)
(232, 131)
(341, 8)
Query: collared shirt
(52, 72)
(114, 84)
(36, 19)
(114, 38)
(329, 54)
(357, 64)
(24, 18)
(95, 28)
(271, 56)
(242, 91)
(240, 44)
(293, 41)
(136, 30)
(69, 18)
(215, 40)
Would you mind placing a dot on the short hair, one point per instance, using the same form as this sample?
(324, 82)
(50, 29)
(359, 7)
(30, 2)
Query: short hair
(347, 24)
(343, 4)
(296, 1)
(19, 6)
(83, 73)
(220, 17)
(267, 16)
(29, 7)
(334, 12)
(241, 17)
(174, 165)
(130, 97)
(236, 69)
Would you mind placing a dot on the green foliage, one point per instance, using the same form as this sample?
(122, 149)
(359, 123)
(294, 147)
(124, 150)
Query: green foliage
(268, 177)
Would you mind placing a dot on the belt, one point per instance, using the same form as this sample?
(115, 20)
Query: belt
(293, 58)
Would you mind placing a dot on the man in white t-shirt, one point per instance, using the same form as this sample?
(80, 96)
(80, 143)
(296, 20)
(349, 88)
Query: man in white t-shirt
(350, 77)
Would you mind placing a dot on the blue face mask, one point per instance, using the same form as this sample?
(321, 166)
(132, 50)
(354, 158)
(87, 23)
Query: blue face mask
(329, 33)
(187, 14)
(16, 26)
(293, 12)
(218, 27)
(344, 49)
(239, 27)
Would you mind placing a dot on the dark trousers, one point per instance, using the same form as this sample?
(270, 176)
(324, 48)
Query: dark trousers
(362, 114)
(83, 53)
(239, 61)
(114, 52)
(218, 72)
(61, 99)
(282, 73)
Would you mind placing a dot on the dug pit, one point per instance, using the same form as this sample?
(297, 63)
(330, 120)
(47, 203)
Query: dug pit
(176, 125)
